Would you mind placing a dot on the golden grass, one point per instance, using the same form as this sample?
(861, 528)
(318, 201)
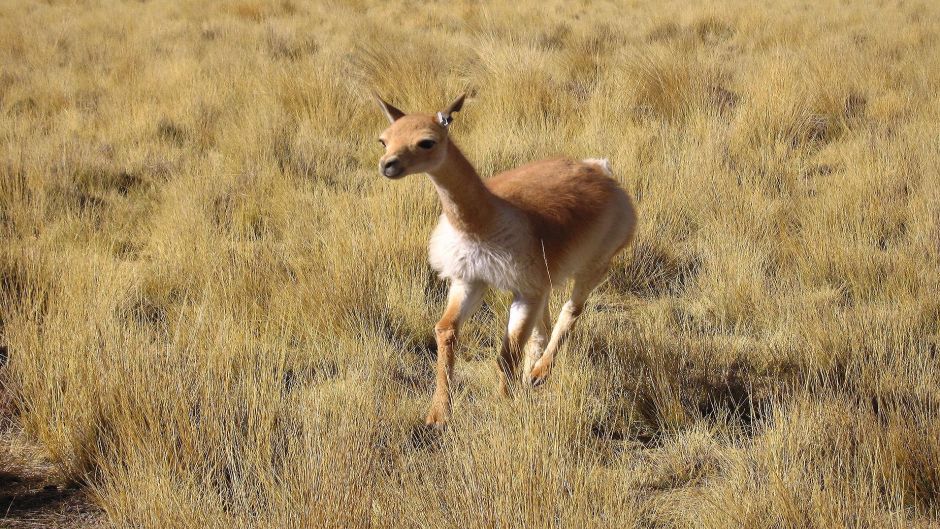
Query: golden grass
(218, 314)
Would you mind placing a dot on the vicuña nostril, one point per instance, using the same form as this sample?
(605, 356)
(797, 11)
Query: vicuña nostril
(390, 167)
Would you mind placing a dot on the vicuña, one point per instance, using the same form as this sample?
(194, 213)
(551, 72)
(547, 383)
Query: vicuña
(523, 230)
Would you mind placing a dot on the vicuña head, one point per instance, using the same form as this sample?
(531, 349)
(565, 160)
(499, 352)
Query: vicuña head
(414, 143)
(524, 230)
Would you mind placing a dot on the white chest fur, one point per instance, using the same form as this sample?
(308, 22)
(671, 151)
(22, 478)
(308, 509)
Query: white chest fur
(503, 259)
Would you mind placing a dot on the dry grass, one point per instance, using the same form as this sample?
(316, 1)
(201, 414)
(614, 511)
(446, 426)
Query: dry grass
(218, 314)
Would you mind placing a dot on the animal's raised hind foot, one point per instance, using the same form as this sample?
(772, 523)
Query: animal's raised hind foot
(540, 372)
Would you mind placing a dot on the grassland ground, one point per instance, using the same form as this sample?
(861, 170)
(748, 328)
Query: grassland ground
(217, 314)
(32, 493)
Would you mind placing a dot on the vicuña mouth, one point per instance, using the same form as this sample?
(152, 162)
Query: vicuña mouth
(392, 172)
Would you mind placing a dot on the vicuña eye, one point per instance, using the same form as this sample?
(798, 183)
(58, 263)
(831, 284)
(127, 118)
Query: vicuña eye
(382, 142)
(426, 144)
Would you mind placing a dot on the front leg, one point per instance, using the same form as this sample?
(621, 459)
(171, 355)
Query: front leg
(462, 300)
(523, 314)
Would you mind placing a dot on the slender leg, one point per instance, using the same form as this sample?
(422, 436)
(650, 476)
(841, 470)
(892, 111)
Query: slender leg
(583, 285)
(462, 300)
(536, 343)
(523, 314)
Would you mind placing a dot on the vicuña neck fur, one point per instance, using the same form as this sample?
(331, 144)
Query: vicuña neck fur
(466, 201)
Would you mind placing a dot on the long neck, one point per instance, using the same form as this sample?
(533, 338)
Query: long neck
(467, 203)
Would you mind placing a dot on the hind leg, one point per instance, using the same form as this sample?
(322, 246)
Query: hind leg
(524, 313)
(584, 283)
(537, 342)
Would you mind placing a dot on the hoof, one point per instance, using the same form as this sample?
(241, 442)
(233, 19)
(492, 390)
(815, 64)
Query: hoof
(539, 374)
(437, 416)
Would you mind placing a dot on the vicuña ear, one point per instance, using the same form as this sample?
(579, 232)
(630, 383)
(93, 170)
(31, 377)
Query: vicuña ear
(390, 112)
(444, 117)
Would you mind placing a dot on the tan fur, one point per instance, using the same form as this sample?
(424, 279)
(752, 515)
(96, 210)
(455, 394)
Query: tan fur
(525, 230)
(562, 198)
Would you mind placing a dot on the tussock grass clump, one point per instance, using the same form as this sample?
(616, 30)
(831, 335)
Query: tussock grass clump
(214, 313)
